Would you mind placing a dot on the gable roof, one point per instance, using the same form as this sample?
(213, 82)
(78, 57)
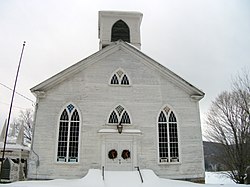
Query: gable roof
(119, 45)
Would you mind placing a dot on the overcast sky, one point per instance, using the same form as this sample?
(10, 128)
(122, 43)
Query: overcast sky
(206, 42)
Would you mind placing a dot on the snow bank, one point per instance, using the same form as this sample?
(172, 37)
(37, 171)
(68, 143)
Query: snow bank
(119, 179)
(217, 178)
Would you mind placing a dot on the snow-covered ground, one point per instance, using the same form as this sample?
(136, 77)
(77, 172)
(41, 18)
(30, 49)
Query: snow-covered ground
(125, 179)
(217, 178)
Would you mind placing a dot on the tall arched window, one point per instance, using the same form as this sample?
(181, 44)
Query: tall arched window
(168, 136)
(119, 115)
(119, 78)
(120, 31)
(68, 137)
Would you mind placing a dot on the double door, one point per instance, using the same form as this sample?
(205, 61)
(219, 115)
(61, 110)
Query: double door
(118, 155)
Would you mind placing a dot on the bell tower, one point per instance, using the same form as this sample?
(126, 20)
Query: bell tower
(118, 25)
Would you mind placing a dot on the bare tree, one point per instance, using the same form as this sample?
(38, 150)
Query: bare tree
(228, 123)
(25, 119)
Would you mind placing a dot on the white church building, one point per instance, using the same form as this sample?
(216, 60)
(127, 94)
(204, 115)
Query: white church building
(117, 109)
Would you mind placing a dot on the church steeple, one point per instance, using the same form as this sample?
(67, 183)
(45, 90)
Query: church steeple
(117, 25)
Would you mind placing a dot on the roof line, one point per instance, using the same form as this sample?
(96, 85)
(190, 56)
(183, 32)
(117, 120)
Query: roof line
(75, 68)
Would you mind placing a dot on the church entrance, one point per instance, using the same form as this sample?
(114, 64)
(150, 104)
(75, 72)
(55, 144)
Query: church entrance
(119, 155)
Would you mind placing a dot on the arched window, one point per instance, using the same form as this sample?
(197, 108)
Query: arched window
(120, 31)
(119, 115)
(119, 78)
(114, 80)
(125, 80)
(125, 118)
(68, 137)
(168, 136)
(113, 118)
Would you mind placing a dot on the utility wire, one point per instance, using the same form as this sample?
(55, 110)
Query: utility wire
(18, 107)
(17, 93)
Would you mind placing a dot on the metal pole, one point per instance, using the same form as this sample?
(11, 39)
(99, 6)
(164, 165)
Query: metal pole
(102, 172)
(138, 169)
(11, 103)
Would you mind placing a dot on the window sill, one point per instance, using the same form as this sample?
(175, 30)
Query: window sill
(169, 163)
(67, 163)
(125, 131)
(120, 85)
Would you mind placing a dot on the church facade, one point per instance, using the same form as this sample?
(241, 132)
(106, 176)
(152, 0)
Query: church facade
(117, 109)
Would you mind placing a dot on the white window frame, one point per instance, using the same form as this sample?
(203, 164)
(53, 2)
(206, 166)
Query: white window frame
(117, 72)
(168, 138)
(68, 136)
(119, 116)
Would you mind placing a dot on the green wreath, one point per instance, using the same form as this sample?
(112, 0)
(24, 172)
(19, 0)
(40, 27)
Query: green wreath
(112, 154)
(125, 154)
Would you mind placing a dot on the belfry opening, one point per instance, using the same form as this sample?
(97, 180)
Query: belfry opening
(120, 31)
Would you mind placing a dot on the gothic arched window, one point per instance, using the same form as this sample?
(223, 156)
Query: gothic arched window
(119, 115)
(68, 137)
(120, 31)
(113, 118)
(125, 80)
(114, 80)
(120, 78)
(168, 136)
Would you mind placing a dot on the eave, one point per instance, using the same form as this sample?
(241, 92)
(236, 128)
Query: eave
(194, 92)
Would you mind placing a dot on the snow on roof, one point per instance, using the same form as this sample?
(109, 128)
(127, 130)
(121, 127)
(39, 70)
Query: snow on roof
(116, 178)
(11, 145)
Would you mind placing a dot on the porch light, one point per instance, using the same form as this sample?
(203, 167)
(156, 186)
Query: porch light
(119, 128)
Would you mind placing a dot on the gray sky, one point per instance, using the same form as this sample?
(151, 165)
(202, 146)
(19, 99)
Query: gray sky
(206, 42)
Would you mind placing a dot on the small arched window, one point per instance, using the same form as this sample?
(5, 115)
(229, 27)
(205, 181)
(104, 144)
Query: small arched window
(114, 80)
(113, 118)
(168, 136)
(119, 78)
(68, 137)
(120, 31)
(125, 118)
(125, 80)
(119, 115)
